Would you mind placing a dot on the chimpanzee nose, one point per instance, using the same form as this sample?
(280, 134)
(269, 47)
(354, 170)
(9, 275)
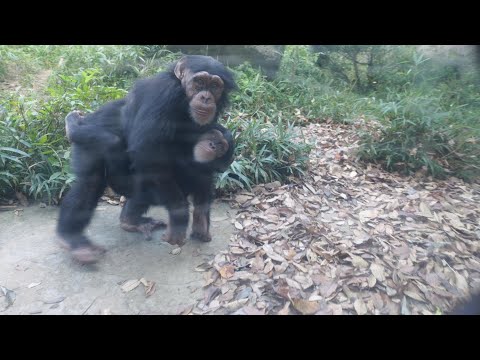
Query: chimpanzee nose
(205, 98)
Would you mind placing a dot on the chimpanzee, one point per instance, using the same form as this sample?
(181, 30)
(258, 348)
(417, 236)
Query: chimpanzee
(157, 125)
(211, 145)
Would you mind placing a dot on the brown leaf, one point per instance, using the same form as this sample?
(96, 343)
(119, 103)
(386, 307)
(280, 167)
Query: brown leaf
(176, 251)
(360, 307)
(285, 310)
(257, 264)
(234, 305)
(187, 310)
(238, 225)
(130, 285)
(241, 199)
(425, 210)
(378, 271)
(149, 286)
(414, 295)
(461, 283)
(203, 267)
(358, 262)
(236, 250)
(268, 267)
(210, 293)
(367, 215)
(306, 307)
(227, 271)
(360, 237)
(327, 289)
(249, 310)
(272, 254)
(403, 251)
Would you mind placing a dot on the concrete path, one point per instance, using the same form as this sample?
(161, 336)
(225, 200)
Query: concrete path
(46, 281)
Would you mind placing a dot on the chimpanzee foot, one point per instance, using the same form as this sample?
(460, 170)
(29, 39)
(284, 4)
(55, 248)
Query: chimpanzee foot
(146, 227)
(86, 253)
(174, 237)
(198, 236)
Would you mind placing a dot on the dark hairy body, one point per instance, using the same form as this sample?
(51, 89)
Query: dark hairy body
(144, 147)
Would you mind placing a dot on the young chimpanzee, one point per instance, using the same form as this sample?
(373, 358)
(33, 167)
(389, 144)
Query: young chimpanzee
(158, 125)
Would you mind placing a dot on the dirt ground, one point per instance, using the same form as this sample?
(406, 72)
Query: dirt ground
(44, 280)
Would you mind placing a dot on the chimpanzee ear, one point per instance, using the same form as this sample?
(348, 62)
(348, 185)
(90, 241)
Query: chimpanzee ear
(180, 68)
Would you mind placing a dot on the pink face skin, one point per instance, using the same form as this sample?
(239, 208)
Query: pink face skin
(210, 146)
(203, 91)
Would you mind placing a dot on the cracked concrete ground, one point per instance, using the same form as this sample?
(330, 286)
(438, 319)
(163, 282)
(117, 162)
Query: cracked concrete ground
(46, 281)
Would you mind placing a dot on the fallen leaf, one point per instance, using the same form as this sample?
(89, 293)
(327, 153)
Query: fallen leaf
(360, 307)
(414, 295)
(272, 254)
(285, 310)
(176, 251)
(227, 271)
(10, 295)
(378, 271)
(203, 267)
(366, 215)
(425, 210)
(327, 289)
(461, 283)
(268, 267)
(241, 199)
(238, 225)
(358, 262)
(234, 305)
(249, 310)
(149, 286)
(306, 307)
(404, 309)
(257, 264)
(33, 285)
(187, 310)
(130, 285)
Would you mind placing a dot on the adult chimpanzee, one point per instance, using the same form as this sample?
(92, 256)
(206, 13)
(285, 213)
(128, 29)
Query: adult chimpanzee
(211, 145)
(157, 126)
(209, 151)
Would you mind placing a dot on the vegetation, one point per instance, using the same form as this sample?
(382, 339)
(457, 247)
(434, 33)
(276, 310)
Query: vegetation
(420, 114)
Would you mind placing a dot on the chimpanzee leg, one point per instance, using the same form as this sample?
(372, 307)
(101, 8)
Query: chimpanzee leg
(131, 218)
(202, 199)
(78, 206)
(157, 190)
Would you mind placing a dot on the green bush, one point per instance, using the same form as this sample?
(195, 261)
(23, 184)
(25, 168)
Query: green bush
(417, 131)
(266, 151)
(34, 152)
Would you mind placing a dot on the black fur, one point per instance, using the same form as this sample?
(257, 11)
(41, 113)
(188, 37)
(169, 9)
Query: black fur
(151, 160)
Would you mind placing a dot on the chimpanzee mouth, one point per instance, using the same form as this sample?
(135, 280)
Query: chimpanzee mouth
(203, 112)
(202, 117)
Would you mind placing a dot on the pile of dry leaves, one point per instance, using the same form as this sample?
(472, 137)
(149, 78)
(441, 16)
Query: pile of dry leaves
(347, 239)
